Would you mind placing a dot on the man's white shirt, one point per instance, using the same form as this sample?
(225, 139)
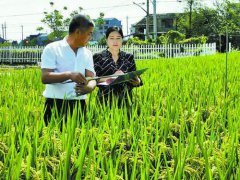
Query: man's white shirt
(60, 57)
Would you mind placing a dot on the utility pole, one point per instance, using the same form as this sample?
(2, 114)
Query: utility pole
(3, 31)
(154, 19)
(5, 27)
(190, 19)
(147, 21)
(226, 67)
(147, 17)
(22, 31)
(127, 24)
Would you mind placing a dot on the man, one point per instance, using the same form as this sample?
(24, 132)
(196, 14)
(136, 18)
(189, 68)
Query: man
(65, 61)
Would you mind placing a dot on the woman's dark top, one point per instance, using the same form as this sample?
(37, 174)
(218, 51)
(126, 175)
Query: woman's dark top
(105, 65)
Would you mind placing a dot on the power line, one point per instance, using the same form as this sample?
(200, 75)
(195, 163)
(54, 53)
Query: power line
(20, 24)
(103, 7)
(106, 7)
(86, 9)
(14, 15)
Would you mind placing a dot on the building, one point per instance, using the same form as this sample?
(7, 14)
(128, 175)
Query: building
(100, 31)
(40, 39)
(165, 22)
(2, 40)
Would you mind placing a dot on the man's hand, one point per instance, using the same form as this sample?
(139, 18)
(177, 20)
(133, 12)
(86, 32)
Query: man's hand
(83, 86)
(82, 89)
(78, 78)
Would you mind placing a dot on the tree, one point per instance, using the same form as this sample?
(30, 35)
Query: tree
(229, 17)
(57, 23)
(100, 20)
(190, 5)
(99, 25)
(206, 21)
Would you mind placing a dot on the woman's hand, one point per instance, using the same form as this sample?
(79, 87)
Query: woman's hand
(135, 81)
(119, 72)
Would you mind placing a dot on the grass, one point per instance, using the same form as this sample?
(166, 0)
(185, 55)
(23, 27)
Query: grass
(181, 127)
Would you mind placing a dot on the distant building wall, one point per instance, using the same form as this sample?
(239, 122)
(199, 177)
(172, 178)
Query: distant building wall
(165, 22)
(100, 31)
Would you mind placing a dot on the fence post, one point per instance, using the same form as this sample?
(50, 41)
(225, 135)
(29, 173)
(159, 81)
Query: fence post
(171, 49)
(10, 55)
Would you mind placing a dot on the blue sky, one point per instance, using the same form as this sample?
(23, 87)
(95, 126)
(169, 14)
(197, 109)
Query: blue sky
(28, 13)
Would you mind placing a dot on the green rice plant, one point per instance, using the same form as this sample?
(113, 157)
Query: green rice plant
(180, 126)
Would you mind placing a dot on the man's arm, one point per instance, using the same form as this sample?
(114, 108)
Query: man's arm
(49, 76)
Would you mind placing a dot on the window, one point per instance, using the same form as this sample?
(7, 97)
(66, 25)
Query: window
(167, 23)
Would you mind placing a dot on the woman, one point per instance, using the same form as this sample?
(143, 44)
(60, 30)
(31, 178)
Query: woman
(114, 61)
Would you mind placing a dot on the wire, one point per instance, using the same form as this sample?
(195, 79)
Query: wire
(14, 15)
(103, 7)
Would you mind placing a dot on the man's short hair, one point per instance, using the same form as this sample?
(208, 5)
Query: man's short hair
(80, 22)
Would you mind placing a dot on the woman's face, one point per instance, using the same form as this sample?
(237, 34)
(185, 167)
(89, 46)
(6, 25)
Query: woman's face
(114, 40)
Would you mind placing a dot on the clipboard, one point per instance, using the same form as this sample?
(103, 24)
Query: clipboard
(123, 77)
(115, 78)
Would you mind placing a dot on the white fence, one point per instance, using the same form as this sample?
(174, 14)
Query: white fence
(22, 55)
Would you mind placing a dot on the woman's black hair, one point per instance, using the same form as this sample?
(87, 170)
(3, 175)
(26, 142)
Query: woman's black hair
(80, 22)
(113, 29)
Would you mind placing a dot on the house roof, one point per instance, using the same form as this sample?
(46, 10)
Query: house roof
(163, 16)
(2, 40)
(110, 19)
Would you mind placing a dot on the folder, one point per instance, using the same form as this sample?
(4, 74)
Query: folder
(117, 79)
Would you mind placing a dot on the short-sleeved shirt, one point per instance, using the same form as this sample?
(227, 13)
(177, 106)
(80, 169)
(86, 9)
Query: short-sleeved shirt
(105, 65)
(60, 57)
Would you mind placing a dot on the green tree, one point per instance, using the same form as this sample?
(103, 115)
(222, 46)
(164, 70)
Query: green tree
(100, 20)
(99, 25)
(225, 18)
(56, 22)
(229, 12)
(189, 10)
(102, 41)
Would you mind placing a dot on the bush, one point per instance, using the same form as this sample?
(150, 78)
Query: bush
(172, 37)
(136, 41)
(195, 40)
(102, 41)
(5, 44)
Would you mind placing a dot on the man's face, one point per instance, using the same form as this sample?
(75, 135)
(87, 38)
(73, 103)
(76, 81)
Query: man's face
(84, 37)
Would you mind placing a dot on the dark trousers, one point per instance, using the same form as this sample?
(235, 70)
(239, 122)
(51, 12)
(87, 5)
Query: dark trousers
(61, 109)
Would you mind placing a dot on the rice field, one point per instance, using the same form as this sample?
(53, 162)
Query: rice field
(181, 127)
